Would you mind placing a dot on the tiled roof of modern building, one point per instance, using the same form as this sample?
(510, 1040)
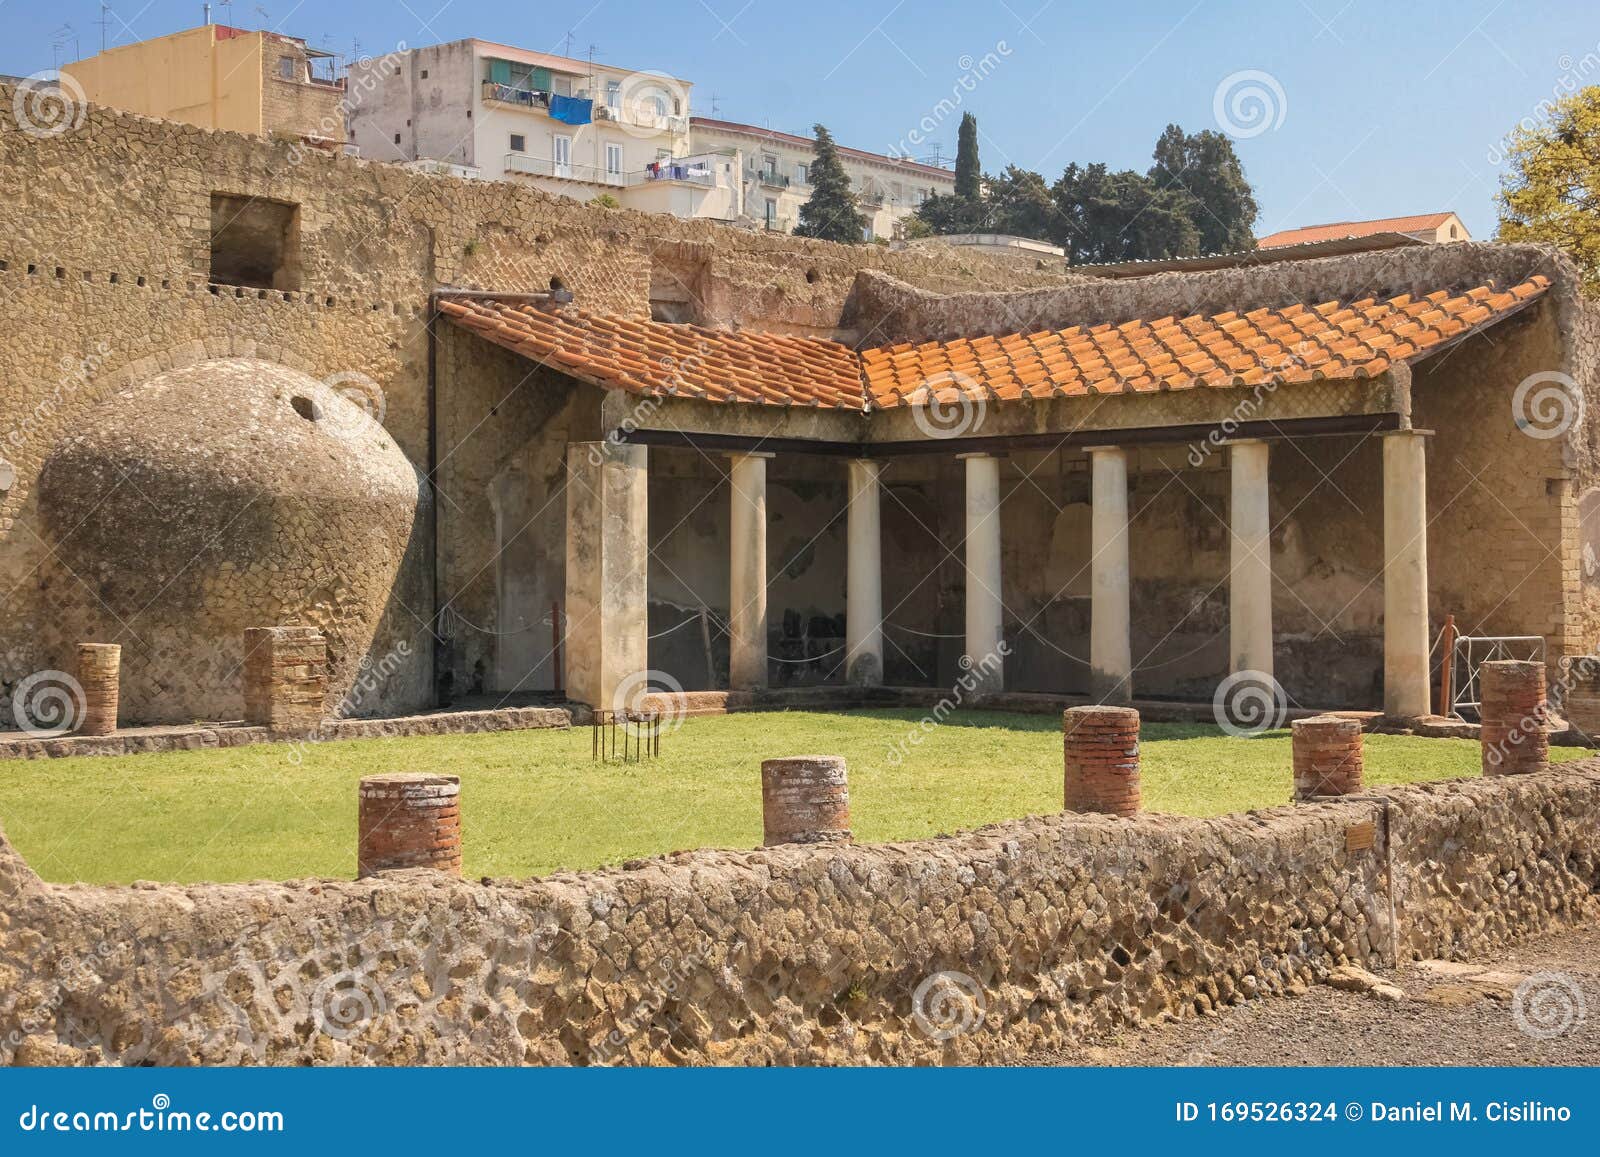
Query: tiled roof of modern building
(1338, 229)
(1297, 343)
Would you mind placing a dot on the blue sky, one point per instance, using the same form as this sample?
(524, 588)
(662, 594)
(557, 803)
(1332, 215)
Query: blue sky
(1372, 109)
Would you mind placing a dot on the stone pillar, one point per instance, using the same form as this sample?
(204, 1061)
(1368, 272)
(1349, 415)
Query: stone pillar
(285, 677)
(99, 668)
(1100, 749)
(863, 617)
(608, 555)
(1405, 575)
(410, 821)
(983, 658)
(805, 799)
(1327, 756)
(1581, 704)
(1513, 735)
(1250, 562)
(1110, 643)
(747, 574)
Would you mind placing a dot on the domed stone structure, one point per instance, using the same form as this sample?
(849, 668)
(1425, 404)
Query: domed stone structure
(230, 494)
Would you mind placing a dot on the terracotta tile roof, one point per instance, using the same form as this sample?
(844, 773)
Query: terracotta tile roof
(657, 358)
(1297, 343)
(1340, 229)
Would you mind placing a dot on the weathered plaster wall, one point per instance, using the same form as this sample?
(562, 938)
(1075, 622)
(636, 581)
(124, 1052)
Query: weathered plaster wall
(1062, 925)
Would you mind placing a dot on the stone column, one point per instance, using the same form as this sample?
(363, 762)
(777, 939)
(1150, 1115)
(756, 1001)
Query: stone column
(1100, 752)
(1405, 575)
(1110, 643)
(1513, 737)
(1327, 756)
(409, 821)
(983, 660)
(747, 575)
(285, 676)
(863, 618)
(1250, 563)
(99, 671)
(805, 799)
(608, 554)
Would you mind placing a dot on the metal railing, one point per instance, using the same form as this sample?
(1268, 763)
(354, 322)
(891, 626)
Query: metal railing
(687, 169)
(1472, 652)
(525, 97)
(770, 179)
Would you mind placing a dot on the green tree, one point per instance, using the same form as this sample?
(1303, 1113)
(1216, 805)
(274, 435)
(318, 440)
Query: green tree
(1124, 216)
(1204, 172)
(968, 183)
(830, 214)
(1019, 203)
(945, 213)
(1551, 191)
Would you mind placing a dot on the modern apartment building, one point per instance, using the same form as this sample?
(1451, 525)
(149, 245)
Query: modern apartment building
(219, 77)
(569, 126)
(774, 169)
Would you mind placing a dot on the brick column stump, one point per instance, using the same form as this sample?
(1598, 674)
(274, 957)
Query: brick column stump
(1581, 705)
(1513, 737)
(805, 799)
(1327, 756)
(99, 669)
(1100, 748)
(285, 676)
(410, 821)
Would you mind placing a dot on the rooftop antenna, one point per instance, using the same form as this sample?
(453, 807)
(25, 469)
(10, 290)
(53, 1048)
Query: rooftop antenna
(227, 11)
(207, 9)
(716, 105)
(567, 51)
(104, 22)
(58, 42)
(937, 158)
(266, 18)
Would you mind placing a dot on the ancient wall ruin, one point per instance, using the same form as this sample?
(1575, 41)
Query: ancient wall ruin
(980, 947)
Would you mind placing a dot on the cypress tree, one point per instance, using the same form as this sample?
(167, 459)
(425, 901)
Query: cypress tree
(830, 214)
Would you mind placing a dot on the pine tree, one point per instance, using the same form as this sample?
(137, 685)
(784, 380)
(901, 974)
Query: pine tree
(968, 182)
(1202, 170)
(830, 214)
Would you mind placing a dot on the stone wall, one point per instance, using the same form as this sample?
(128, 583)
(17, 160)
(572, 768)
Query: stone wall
(980, 947)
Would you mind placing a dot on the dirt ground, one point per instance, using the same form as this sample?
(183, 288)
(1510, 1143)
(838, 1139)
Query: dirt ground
(1472, 1013)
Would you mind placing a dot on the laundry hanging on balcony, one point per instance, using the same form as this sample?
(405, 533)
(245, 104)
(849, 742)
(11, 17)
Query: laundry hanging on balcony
(571, 110)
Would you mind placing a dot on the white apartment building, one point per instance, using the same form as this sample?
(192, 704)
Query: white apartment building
(571, 127)
(773, 172)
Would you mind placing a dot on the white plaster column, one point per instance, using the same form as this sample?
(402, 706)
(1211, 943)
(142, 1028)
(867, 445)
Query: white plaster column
(608, 552)
(747, 573)
(1250, 563)
(1405, 574)
(863, 617)
(1110, 622)
(983, 659)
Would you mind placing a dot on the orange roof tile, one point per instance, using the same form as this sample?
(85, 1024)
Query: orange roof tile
(1338, 230)
(1296, 343)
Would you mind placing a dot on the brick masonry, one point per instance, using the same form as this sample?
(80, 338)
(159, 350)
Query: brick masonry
(805, 799)
(1327, 752)
(1101, 756)
(285, 675)
(1068, 925)
(410, 821)
(99, 669)
(1514, 737)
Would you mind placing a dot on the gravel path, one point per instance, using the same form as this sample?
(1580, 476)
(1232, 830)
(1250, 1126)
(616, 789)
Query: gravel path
(1452, 1014)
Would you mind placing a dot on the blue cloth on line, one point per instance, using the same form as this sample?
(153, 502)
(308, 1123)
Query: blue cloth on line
(571, 110)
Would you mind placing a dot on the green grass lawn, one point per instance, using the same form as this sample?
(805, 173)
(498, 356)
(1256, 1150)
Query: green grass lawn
(532, 801)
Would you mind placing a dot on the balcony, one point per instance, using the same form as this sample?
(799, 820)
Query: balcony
(693, 170)
(527, 98)
(767, 178)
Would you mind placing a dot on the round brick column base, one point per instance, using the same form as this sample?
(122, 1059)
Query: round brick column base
(99, 672)
(805, 799)
(1513, 734)
(410, 821)
(1327, 756)
(1100, 753)
(1581, 704)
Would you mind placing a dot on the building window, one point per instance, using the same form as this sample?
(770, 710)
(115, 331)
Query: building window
(424, 74)
(772, 213)
(613, 162)
(561, 156)
(614, 95)
(1453, 233)
(286, 67)
(397, 138)
(802, 174)
(255, 243)
(519, 143)
(769, 165)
